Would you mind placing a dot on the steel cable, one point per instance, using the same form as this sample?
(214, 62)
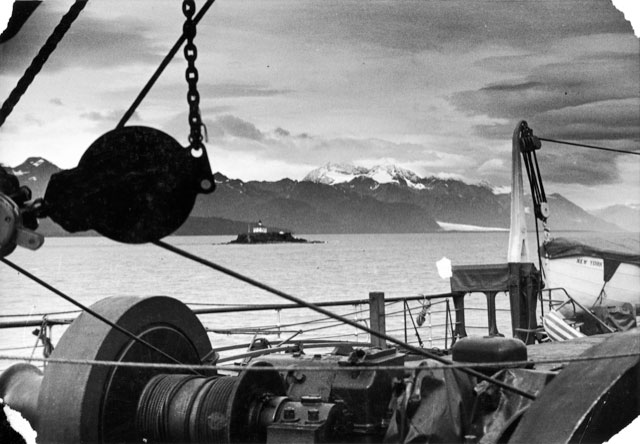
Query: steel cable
(165, 62)
(444, 365)
(325, 312)
(582, 145)
(88, 310)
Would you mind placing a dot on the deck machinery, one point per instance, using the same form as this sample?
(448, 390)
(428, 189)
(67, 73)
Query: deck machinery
(148, 375)
(102, 386)
(132, 369)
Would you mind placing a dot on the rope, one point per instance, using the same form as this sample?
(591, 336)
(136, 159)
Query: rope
(88, 310)
(443, 365)
(255, 307)
(582, 145)
(317, 321)
(388, 301)
(414, 325)
(313, 321)
(528, 146)
(320, 321)
(275, 329)
(40, 59)
(324, 320)
(325, 312)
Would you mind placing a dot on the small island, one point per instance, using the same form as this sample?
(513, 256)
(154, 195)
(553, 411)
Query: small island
(260, 234)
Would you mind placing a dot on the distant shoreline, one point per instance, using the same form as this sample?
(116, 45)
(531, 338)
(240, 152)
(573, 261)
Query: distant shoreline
(88, 235)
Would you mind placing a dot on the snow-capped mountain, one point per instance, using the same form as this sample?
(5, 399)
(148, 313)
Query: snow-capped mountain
(448, 199)
(34, 173)
(339, 173)
(335, 173)
(344, 199)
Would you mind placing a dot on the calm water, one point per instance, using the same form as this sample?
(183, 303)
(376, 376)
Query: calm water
(343, 267)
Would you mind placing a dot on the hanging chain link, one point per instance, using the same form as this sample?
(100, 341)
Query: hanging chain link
(193, 96)
(196, 145)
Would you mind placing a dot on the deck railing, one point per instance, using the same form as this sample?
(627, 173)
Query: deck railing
(428, 321)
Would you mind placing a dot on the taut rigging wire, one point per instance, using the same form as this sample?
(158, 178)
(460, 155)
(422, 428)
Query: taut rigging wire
(340, 318)
(165, 62)
(535, 182)
(308, 368)
(582, 145)
(89, 310)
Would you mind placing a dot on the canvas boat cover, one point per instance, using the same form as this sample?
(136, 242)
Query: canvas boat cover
(621, 249)
(485, 277)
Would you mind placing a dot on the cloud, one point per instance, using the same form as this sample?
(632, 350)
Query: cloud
(93, 115)
(33, 120)
(491, 166)
(437, 86)
(556, 86)
(112, 117)
(580, 97)
(5, 14)
(612, 122)
(228, 125)
(91, 42)
(282, 132)
(221, 90)
(209, 91)
(438, 25)
(230, 134)
(565, 166)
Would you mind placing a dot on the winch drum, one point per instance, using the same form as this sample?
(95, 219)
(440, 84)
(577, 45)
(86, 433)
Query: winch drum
(83, 401)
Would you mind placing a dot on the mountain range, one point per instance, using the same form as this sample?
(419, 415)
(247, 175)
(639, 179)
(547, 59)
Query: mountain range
(338, 198)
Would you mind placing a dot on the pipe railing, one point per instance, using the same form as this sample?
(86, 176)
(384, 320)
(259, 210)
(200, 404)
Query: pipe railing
(442, 327)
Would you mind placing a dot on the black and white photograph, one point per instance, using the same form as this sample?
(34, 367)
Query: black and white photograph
(319, 221)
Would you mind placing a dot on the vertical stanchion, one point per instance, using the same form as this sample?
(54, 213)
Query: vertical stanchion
(446, 326)
(377, 317)
(404, 311)
(278, 324)
(356, 309)
(430, 324)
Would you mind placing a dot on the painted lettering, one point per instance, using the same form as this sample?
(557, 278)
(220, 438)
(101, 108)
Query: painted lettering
(590, 262)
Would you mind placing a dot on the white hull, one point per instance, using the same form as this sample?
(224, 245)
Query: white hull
(583, 278)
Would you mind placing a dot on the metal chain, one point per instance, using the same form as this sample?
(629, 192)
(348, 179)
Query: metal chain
(193, 96)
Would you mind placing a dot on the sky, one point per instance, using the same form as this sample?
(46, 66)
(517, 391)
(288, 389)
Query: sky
(286, 86)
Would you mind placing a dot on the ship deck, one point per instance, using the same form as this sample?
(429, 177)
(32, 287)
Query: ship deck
(562, 352)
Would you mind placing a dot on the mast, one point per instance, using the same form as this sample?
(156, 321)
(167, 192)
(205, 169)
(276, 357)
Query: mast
(518, 245)
(524, 280)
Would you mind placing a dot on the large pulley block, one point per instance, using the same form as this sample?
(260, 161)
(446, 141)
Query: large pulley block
(134, 184)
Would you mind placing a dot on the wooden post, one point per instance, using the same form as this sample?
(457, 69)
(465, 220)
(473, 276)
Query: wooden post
(377, 318)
